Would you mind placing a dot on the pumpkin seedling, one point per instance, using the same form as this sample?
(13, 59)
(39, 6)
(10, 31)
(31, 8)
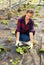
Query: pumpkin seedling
(36, 24)
(22, 49)
(5, 22)
(37, 14)
(15, 62)
(13, 32)
(2, 49)
(10, 38)
(37, 11)
(42, 50)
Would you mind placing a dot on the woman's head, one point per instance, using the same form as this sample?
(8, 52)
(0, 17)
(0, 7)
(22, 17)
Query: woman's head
(29, 14)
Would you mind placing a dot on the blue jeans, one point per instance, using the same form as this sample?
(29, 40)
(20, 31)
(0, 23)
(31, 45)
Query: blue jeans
(24, 37)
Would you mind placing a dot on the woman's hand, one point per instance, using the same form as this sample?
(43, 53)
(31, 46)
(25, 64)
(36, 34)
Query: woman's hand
(18, 43)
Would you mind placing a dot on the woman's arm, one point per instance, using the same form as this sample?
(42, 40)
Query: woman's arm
(18, 30)
(31, 37)
(31, 31)
(18, 36)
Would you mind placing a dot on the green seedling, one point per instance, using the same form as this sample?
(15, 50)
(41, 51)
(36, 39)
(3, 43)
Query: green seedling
(22, 49)
(32, 6)
(42, 50)
(43, 30)
(15, 62)
(10, 38)
(37, 11)
(2, 49)
(36, 24)
(39, 8)
(37, 14)
(5, 22)
(13, 32)
(19, 50)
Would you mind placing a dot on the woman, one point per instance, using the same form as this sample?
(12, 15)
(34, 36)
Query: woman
(25, 29)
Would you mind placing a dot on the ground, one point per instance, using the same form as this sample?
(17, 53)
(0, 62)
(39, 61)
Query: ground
(7, 39)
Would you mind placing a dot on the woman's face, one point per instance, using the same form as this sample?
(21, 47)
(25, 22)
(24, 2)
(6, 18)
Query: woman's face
(29, 15)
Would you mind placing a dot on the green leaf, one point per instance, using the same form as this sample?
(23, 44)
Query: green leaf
(4, 22)
(20, 50)
(26, 47)
(13, 32)
(36, 24)
(15, 62)
(10, 38)
(42, 50)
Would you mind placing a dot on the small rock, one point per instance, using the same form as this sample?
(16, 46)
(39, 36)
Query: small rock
(43, 30)
(10, 56)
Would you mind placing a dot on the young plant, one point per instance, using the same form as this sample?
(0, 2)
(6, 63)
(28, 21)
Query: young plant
(2, 49)
(37, 11)
(22, 49)
(42, 50)
(10, 38)
(35, 24)
(15, 62)
(13, 32)
(5, 22)
(37, 14)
